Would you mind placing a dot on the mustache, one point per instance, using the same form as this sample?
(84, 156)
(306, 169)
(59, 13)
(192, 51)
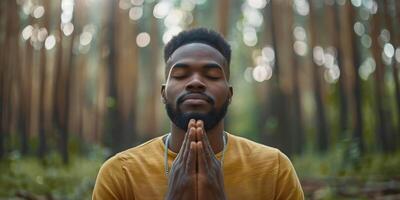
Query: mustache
(208, 98)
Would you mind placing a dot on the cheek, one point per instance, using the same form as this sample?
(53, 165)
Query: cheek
(171, 93)
(221, 95)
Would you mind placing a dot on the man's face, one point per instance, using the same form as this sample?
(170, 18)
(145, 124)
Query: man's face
(197, 85)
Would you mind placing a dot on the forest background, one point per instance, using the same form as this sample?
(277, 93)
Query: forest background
(319, 79)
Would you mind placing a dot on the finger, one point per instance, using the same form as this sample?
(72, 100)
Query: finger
(191, 138)
(186, 142)
(203, 137)
(201, 158)
(207, 152)
(191, 161)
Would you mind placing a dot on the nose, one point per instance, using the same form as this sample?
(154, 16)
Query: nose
(196, 84)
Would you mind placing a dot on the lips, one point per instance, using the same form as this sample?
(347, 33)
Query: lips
(195, 98)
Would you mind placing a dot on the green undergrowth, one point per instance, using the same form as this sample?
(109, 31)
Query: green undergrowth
(335, 164)
(344, 173)
(50, 177)
(30, 176)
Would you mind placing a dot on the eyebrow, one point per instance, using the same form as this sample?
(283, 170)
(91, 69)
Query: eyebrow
(212, 66)
(207, 66)
(180, 65)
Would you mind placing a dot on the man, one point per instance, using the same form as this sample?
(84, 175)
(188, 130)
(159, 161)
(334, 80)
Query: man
(198, 159)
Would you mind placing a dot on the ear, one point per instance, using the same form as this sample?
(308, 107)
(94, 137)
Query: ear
(163, 96)
(230, 94)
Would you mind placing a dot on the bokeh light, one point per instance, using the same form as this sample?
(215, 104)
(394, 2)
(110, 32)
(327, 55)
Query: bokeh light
(50, 42)
(250, 36)
(318, 55)
(302, 7)
(135, 13)
(42, 34)
(261, 73)
(143, 39)
(162, 9)
(366, 41)
(85, 38)
(397, 54)
(257, 4)
(356, 3)
(67, 28)
(367, 68)
(359, 28)
(300, 47)
(389, 50)
(332, 74)
(27, 32)
(299, 33)
(169, 33)
(137, 2)
(38, 12)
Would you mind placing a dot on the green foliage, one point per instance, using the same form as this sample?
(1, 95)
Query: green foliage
(346, 161)
(343, 170)
(49, 177)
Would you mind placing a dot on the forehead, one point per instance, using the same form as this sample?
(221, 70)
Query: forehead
(196, 52)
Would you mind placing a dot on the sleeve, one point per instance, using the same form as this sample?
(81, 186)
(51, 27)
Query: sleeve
(110, 181)
(288, 184)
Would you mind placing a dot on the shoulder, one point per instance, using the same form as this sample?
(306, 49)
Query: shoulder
(259, 153)
(273, 162)
(147, 150)
(249, 148)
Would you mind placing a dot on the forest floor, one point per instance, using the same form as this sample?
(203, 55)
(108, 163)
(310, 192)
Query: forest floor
(326, 177)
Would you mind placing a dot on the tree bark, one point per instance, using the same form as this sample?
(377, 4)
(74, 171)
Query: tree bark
(343, 101)
(390, 24)
(122, 80)
(381, 131)
(322, 131)
(223, 16)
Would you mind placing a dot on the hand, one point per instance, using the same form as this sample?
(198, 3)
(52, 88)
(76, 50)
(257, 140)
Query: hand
(196, 172)
(210, 181)
(182, 177)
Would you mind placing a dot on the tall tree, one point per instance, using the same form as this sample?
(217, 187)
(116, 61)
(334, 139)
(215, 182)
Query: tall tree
(343, 80)
(150, 71)
(62, 90)
(43, 114)
(296, 118)
(278, 134)
(223, 16)
(122, 79)
(3, 17)
(322, 130)
(382, 128)
(396, 24)
(390, 22)
(358, 120)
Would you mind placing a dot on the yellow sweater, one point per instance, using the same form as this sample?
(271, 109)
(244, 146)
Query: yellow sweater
(251, 171)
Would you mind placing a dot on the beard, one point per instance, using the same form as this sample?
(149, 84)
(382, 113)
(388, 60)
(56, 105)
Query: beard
(210, 119)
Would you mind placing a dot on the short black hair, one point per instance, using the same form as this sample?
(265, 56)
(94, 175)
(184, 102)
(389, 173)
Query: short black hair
(198, 35)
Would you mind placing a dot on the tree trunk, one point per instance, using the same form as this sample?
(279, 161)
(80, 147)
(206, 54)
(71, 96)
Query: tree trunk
(298, 139)
(3, 17)
(122, 80)
(223, 16)
(322, 131)
(390, 24)
(396, 24)
(43, 114)
(343, 110)
(381, 132)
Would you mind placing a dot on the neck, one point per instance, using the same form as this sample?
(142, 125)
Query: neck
(215, 136)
